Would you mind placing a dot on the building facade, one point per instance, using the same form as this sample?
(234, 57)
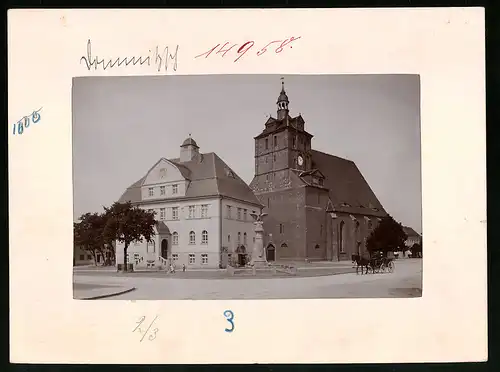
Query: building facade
(203, 211)
(319, 206)
(412, 237)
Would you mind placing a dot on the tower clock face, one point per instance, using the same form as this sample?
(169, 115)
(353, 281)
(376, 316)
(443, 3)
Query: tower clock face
(300, 160)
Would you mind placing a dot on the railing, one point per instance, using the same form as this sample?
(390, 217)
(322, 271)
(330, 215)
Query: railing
(163, 261)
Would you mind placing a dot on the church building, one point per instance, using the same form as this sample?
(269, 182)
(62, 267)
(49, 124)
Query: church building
(319, 206)
(203, 210)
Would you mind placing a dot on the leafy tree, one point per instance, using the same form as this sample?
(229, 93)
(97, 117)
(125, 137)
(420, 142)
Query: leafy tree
(416, 250)
(388, 236)
(127, 224)
(88, 234)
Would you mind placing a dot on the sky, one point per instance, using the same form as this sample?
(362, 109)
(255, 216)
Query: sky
(123, 125)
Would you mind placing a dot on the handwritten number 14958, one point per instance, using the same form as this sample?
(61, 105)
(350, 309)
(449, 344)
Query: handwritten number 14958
(277, 45)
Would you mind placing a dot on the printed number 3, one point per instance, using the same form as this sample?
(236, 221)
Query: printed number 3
(229, 316)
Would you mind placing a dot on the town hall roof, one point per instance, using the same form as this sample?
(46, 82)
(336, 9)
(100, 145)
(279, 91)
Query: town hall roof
(349, 192)
(208, 176)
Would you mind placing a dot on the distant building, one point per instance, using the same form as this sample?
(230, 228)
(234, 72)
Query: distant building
(203, 209)
(320, 207)
(83, 257)
(413, 236)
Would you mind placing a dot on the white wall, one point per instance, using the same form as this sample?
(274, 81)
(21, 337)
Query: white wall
(232, 226)
(183, 226)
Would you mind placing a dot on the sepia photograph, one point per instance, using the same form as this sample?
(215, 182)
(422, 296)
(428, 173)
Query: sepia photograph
(216, 187)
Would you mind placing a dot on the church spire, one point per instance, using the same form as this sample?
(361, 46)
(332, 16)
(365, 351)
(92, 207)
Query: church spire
(282, 102)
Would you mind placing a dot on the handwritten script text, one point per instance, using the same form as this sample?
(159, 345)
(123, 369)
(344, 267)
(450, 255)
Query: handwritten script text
(161, 58)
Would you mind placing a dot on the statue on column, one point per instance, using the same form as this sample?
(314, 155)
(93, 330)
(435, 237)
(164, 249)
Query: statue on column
(258, 257)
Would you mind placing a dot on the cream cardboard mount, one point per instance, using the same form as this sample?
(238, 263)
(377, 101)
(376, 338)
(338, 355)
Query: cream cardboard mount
(445, 46)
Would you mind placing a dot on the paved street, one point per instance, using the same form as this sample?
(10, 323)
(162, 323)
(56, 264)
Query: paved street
(405, 281)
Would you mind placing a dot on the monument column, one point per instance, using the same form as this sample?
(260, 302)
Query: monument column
(258, 257)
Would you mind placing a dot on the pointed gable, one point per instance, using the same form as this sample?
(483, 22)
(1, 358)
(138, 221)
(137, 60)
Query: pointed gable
(207, 175)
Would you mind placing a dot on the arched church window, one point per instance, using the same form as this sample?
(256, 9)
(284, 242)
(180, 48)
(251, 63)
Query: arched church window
(341, 237)
(239, 238)
(244, 238)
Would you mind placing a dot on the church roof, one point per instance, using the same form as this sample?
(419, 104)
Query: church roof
(208, 176)
(189, 141)
(348, 190)
(410, 232)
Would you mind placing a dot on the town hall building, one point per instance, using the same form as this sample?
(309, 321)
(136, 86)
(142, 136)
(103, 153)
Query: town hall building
(203, 210)
(319, 206)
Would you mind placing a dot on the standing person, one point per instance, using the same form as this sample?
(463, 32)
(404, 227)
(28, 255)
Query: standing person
(183, 267)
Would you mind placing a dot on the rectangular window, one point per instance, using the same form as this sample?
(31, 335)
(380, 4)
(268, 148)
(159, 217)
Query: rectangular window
(151, 191)
(239, 214)
(89, 257)
(228, 214)
(275, 141)
(204, 258)
(174, 189)
(282, 228)
(162, 190)
(191, 211)
(175, 256)
(244, 214)
(204, 237)
(268, 202)
(229, 238)
(274, 157)
(136, 256)
(162, 213)
(239, 239)
(175, 238)
(293, 142)
(191, 259)
(267, 143)
(175, 213)
(82, 257)
(204, 211)
(244, 238)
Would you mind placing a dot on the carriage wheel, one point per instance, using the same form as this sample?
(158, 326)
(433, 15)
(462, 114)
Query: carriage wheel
(390, 266)
(382, 268)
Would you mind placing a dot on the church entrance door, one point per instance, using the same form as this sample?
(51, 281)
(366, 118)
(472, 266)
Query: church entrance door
(164, 248)
(270, 253)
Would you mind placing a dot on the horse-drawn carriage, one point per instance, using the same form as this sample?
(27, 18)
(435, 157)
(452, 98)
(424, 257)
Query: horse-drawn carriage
(376, 262)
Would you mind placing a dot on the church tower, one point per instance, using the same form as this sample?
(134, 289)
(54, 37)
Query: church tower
(282, 103)
(283, 146)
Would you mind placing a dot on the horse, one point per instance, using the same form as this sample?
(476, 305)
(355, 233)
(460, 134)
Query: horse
(360, 262)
